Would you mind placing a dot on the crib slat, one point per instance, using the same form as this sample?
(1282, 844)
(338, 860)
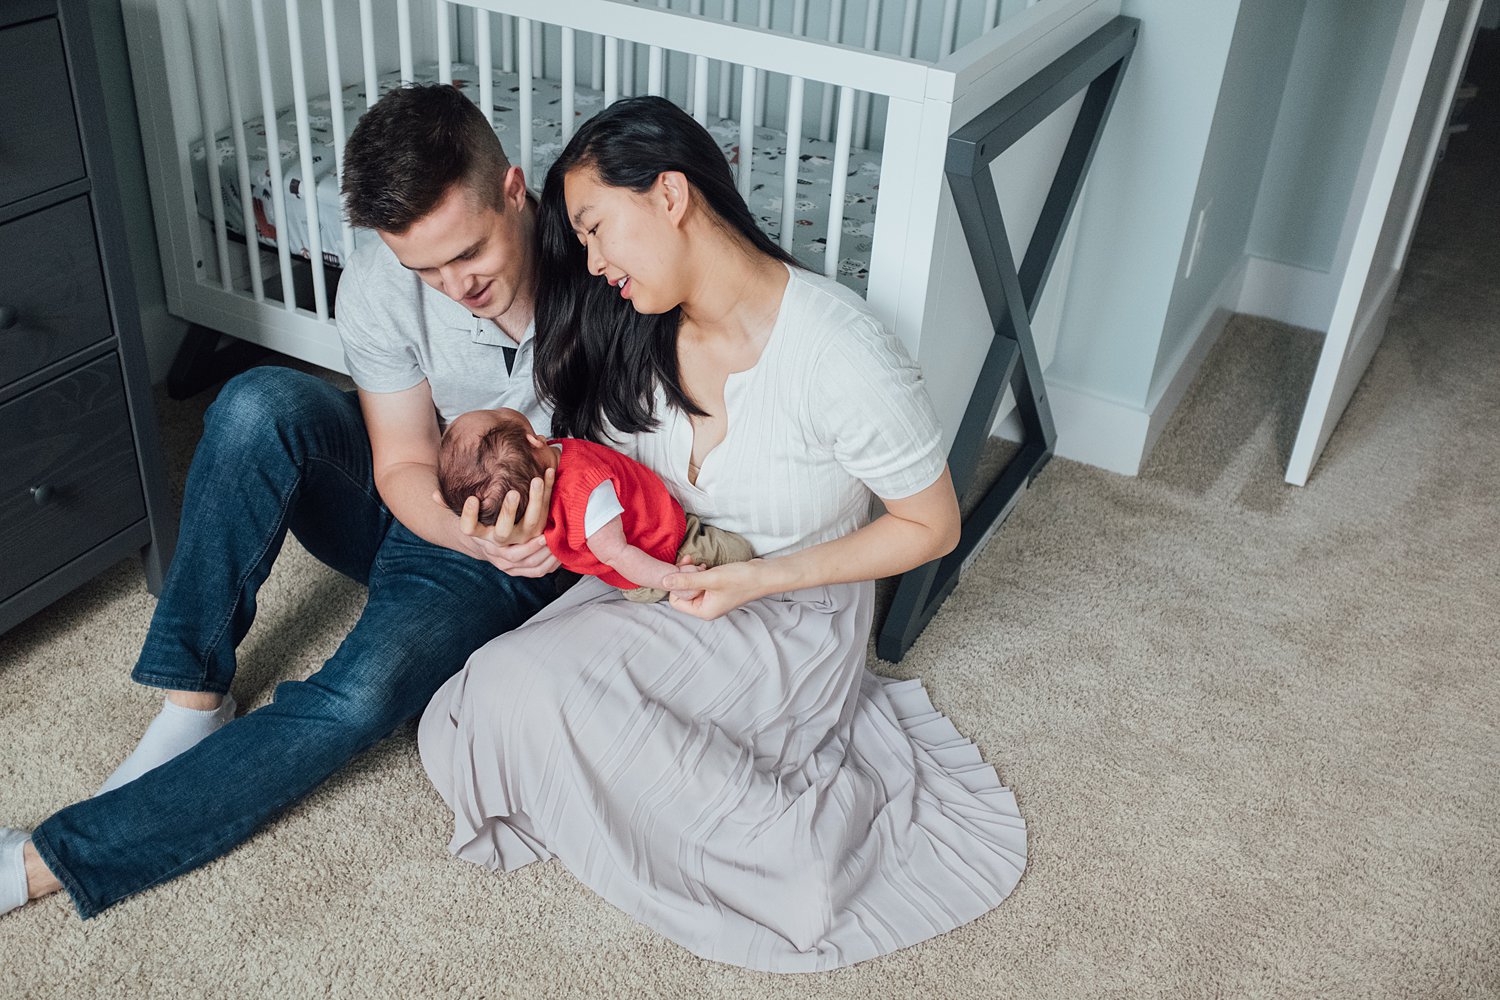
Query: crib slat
(991, 12)
(538, 49)
(569, 82)
(367, 48)
(444, 41)
(627, 73)
(200, 52)
(840, 182)
(725, 81)
(793, 160)
(835, 33)
(950, 27)
(596, 63)
(799, 17)
(654, 71)
(700, 89)
(507, 43)
(694, 107)
(909, 28)
(485, 56)
(524, 51)
(241, 162)
(403, 30)
(760, 96)
(611, 71)
(308, 190)
(872, 35)
(747, 129)
(273, 154)
(336, 113)
(664, 72)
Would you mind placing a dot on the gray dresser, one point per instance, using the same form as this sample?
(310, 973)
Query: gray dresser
(82, 483)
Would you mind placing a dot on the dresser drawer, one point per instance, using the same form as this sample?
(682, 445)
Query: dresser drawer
(68, 473)
(39, 146)
(51, 289)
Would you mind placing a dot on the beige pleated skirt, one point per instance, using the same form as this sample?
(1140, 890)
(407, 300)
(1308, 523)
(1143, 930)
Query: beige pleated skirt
(744, 786)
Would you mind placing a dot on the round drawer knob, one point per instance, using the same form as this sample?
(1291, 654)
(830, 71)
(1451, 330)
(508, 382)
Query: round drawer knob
(8, 317)
(41, 494)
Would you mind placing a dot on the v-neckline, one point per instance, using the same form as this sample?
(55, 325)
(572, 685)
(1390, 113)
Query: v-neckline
(772, 339)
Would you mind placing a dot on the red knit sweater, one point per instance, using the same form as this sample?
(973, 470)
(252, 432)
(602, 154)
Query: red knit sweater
(653, 520)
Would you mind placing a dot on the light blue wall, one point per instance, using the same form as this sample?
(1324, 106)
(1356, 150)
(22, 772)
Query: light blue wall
(1342, 52)
(1138, 200)
(1229, 184)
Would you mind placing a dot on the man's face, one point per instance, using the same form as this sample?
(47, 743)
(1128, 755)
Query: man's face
(480, 257)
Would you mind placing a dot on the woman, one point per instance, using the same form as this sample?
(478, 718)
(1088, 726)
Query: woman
(724, 768)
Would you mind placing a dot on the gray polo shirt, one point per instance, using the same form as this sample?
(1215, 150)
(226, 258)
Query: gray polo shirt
(397, 330)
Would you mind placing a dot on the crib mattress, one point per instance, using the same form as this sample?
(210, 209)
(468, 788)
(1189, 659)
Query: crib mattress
(814, 179)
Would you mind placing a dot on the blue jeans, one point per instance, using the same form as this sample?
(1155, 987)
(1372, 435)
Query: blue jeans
(280, 450)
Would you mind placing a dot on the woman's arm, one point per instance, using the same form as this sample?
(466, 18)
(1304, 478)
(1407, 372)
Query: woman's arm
(912, 531)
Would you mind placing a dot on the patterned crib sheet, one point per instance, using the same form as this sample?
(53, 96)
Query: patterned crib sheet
(814, 180)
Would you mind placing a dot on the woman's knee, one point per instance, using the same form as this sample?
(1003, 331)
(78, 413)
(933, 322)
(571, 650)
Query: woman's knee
(503, 679)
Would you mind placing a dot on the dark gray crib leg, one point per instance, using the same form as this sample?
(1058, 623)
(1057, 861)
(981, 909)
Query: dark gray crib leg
(1097, 63)
(200, 362)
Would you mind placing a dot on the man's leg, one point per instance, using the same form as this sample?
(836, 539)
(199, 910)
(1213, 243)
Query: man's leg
(429, 608)
(279, 448)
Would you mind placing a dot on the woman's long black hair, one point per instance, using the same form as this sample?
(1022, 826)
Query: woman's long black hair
(597, 359)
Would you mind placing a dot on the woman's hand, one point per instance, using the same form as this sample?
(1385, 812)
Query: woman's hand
(719, 590)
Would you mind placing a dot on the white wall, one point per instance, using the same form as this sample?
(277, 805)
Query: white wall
(1131, 223)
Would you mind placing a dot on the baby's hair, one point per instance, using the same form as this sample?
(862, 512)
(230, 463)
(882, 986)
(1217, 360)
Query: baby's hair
(488, 468)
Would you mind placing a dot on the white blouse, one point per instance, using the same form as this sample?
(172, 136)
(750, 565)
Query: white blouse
(832, 412)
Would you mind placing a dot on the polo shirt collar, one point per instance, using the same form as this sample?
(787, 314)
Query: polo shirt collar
(488, 332)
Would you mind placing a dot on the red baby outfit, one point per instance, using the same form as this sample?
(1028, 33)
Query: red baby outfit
(653, 521)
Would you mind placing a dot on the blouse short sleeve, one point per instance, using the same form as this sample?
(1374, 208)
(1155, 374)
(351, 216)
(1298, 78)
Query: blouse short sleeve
(874, 413)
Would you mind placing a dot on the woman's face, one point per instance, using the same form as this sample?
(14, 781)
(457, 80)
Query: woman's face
(633, 241)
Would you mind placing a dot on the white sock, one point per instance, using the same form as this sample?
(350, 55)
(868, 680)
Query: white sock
(12, 869)
(174, 730)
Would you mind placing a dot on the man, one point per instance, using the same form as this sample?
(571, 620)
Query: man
(436, 319)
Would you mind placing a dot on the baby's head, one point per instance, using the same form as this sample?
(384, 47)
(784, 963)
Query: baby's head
(486, 454)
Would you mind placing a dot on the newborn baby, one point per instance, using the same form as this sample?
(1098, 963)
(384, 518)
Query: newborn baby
(611, 516)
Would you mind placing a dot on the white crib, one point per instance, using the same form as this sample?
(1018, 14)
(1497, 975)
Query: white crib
(835, 114)
(855, 191)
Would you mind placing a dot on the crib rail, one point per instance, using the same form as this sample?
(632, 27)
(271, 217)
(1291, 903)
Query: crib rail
(735, 63)
(581, 41)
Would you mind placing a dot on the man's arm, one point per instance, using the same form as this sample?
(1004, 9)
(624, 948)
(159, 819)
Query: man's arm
(635, 565)
(404, 441)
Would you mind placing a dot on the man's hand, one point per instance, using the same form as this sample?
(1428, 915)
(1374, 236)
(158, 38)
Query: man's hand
(514, 547)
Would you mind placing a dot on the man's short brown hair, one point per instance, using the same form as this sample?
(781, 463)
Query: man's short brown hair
(410, 148)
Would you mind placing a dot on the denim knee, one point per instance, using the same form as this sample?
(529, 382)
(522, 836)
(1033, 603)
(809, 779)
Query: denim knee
(357, 714)
(257, 405)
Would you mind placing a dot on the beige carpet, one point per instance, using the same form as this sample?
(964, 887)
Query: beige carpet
(1253, 728)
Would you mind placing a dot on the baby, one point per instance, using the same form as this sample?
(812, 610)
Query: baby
(611, 516)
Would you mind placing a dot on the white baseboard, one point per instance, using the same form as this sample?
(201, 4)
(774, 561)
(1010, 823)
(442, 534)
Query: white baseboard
(1097, 431)
(1118, 436)
(1286, 293)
